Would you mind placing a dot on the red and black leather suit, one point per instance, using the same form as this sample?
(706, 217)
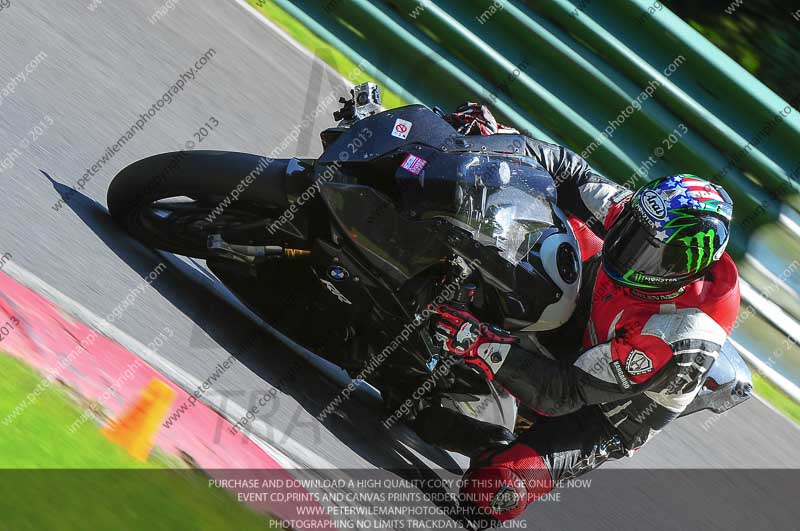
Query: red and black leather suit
(641, 360)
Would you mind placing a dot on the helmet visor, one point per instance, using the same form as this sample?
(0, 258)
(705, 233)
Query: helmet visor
(635, 257)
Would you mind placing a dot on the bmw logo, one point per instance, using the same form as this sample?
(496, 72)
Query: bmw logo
(337, 273)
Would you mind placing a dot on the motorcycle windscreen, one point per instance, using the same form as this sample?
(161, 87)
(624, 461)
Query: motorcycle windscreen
(489, 208)
(503, 204)
(399, 247)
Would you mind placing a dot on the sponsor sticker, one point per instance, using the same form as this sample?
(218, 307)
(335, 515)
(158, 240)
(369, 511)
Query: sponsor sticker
(638, 363)
(505, 499)
(653, 205)
(414, 164)
(660, 297)
(619, 374)
(401, 128)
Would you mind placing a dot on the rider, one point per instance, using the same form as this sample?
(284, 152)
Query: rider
(656, 304)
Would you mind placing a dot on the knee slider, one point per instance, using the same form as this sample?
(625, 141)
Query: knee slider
(505, 486)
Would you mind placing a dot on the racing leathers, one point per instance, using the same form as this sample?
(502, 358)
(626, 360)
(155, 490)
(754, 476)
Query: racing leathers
(641, 357)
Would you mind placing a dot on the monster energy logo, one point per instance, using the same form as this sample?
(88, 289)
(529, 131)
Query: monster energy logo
(699, 241)
(635, 278)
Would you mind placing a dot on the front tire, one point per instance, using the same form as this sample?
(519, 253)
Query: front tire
(174, 201)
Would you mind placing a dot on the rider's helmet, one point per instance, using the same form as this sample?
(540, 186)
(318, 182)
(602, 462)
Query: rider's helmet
(669, 234)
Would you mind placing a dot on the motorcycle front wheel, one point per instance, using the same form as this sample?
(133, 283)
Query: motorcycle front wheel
(175, 201)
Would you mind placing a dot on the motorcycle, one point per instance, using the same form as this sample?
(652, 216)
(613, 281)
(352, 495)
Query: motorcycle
(348, 254)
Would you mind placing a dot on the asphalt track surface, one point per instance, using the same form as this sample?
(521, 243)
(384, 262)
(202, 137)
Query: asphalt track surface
(104, 68)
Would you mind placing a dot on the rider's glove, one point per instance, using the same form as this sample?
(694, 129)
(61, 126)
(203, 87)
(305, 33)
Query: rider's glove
(462, 334)
(476, 119)
(473, 119)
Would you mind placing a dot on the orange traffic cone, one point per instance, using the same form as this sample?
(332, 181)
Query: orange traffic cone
(136, 427)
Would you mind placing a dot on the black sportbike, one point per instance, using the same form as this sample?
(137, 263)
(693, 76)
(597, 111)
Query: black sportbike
(348, 253)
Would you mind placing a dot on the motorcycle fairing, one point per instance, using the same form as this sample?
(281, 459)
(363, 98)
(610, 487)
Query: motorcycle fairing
(495, 210)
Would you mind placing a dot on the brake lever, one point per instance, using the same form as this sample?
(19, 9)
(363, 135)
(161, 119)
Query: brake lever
(464, 297)
(461, 301)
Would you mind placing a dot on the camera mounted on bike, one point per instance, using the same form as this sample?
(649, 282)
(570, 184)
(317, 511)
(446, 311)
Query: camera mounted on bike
(365, 101)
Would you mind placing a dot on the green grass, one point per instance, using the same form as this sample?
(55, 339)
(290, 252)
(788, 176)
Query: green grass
(52, 479)
(322, 49)
(776, 397)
